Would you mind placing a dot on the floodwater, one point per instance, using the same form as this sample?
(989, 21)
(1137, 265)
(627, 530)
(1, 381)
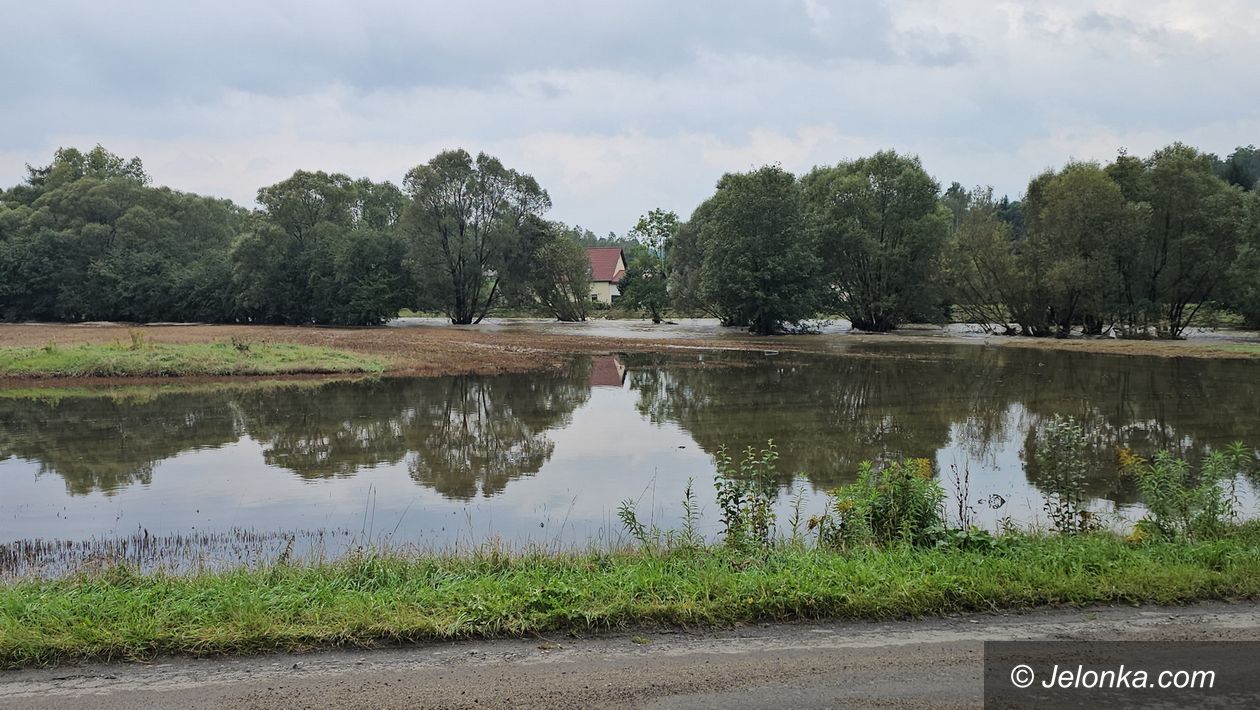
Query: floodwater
(710, 329)
(547, 458)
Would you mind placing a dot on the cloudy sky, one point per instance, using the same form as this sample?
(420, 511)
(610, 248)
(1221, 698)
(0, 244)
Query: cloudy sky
(621, 106)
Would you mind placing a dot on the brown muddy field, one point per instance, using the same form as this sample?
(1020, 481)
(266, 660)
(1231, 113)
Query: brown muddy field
(437, 350)
(411, 351)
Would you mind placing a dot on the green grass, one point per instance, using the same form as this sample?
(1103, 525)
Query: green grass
(146, 359)
(131, 393)
(381, 598)
(1251, 348)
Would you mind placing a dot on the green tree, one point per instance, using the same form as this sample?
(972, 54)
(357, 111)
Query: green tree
(1190, 235)
(980, 265)
(686, 263)
(759, 264)
(559, 272)
(881, 231)
(70, 165)
(464, 218)
(1244, 277)
(1241, 168)
(647, 282)
(86, 238)
(1078, 226)
(324, 249)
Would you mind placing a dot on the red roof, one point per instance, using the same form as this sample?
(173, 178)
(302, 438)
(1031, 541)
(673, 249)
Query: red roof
(604, 263)
(608, 372)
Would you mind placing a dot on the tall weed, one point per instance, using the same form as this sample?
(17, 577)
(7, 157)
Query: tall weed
(745, 494)
(1182, 504)
(900, 501)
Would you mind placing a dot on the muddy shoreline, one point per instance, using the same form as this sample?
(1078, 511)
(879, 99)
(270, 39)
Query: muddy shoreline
(432, 350)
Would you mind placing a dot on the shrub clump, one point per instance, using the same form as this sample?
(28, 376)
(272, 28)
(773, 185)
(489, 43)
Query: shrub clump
(899, 502)
(1183, 504)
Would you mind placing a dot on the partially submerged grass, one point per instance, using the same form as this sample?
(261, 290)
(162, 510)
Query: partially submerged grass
(1246, 348)
(137, 391)
(384, 598)
(1209, 349)
(149, 359)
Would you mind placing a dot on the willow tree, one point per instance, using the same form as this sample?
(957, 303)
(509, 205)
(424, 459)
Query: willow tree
(647, 282)
(758, 264)
(1193, 227)
(464, 218)
(559, 272)
(87, 238)
(1244, 287)
(980, 264)
(324, 249)
(1080, 237)
(881, 230)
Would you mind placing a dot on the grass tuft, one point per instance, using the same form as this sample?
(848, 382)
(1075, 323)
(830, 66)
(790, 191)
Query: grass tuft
(140, 358)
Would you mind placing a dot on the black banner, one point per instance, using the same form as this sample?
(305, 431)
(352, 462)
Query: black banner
(1121, 674)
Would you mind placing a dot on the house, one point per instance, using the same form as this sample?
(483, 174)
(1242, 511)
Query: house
(608, 268)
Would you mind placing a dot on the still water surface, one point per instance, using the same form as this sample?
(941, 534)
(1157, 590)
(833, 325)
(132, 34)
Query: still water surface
(548, 457)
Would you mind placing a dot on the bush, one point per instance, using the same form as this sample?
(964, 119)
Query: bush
(1182, 505)
(898, 502)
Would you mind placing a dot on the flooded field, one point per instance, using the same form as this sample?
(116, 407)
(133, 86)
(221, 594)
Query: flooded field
(242, 473)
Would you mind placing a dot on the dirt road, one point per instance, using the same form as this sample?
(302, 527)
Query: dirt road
(932, 663)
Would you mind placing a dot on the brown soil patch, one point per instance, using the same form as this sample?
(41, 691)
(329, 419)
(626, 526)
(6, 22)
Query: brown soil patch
(428, 351)
(411, 351)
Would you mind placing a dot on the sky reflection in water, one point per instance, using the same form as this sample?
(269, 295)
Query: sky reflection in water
(547, 457)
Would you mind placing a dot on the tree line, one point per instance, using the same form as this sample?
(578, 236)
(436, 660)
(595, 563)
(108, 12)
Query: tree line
(88, 238)
(1138, 246)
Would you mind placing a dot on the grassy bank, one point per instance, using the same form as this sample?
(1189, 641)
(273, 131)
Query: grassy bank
(140, 391)
(148, 359)
(382, 599)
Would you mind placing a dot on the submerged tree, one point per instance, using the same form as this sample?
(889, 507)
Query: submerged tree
(647, 282)
(559, 271)
(980, 265)
(686, 262)
(464, 218)
(1078, 225)
(881, 231)
(1244, 276)
(1139, 246)
(1190, 235)
(759, 267)
(324, 249)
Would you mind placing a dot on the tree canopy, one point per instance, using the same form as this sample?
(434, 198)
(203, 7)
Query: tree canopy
(758, 266)
(1136, 247)
(465, 217)
(646, 286)
(881, 230)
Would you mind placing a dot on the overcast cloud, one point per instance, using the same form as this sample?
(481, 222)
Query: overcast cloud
(619, 107)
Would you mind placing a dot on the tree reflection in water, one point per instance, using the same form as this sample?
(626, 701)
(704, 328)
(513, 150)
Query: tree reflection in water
(107, 443)
(459, 435)
(828, 413)
(469, 436)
